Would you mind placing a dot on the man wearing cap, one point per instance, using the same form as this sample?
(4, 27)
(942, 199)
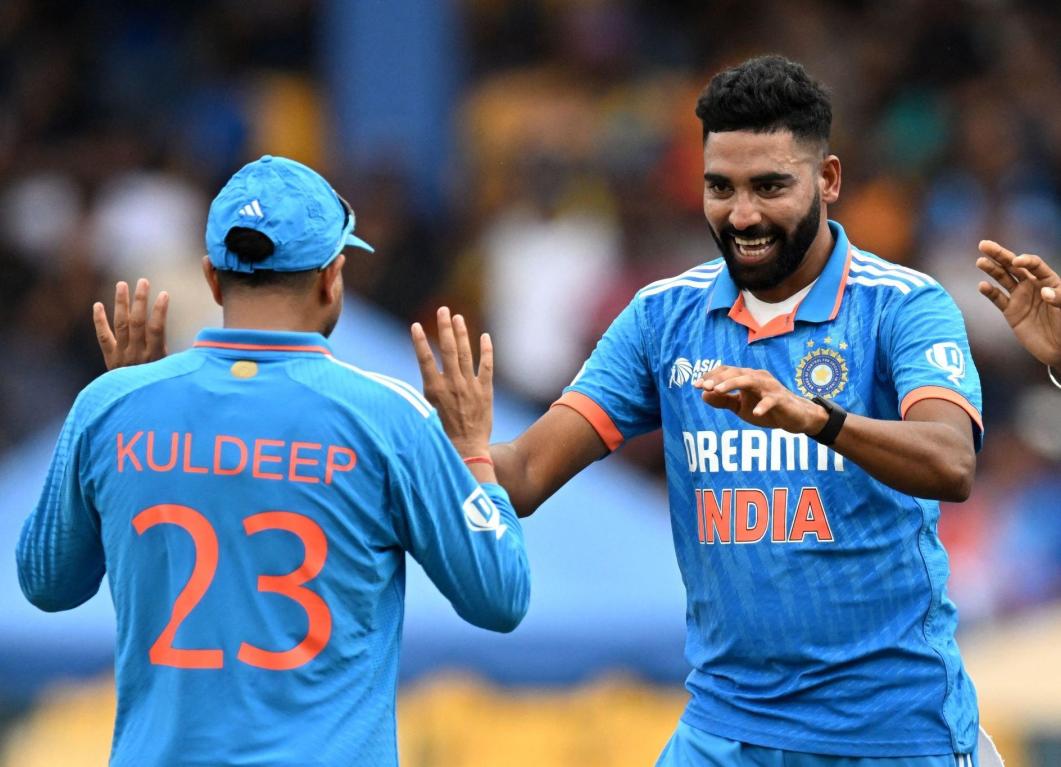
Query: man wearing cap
(251, 501)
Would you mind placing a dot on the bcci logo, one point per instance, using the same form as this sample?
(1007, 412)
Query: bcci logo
(482, 515)
(821, 373)
(948, 357)
(683, 371)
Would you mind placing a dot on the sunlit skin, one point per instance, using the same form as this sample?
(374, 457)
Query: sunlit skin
(754, 181)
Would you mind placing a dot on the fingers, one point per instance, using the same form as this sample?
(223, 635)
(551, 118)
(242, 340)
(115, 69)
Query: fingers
(464, 346)
(486, 360)
(121, 314)
(156, 327)
(996, 252)
(1038, 269)
(764, 405)
(138, 316)
(447, 341)
(425, 358)
(996, 272)
(1052, 296)
(107, 343)
(727, 401)
(995, 295)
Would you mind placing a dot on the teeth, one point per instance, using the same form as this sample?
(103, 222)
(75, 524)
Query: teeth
(753, 243)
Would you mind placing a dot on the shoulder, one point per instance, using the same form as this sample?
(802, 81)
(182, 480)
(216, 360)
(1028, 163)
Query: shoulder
(687, 284)
(871, 273)
(114, 386)
(395, 396)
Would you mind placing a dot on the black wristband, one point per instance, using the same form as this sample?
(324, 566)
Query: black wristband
(837, 416)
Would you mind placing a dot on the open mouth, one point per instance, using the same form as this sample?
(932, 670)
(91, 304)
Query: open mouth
(753, 249)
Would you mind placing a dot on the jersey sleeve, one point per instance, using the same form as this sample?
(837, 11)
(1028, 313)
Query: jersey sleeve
(616, 389)
(927, 351)
(466, 536)
(60, 551)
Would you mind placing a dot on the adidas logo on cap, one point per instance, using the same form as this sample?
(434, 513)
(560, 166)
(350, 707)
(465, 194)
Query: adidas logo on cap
(252, 209)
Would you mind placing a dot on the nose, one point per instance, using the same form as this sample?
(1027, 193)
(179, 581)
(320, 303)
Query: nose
(745, 213)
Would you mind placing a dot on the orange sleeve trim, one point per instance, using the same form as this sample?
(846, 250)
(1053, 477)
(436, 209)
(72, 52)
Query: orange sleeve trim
(600, 421)
(940, 392)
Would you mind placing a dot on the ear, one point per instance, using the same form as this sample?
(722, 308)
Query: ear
(210, 273)
(830, 179)
(331, 281)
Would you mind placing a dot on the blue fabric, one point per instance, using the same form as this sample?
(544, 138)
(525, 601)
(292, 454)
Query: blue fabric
(690, 747)
(290, 203)
(249, 423)
(818, 618)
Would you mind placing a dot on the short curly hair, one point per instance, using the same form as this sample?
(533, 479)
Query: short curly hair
(766, 94)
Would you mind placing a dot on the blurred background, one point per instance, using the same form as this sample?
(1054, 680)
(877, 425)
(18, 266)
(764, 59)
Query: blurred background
(530, 163)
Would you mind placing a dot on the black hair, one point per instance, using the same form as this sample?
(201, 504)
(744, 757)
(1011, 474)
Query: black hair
(765, 95)
(252, 247)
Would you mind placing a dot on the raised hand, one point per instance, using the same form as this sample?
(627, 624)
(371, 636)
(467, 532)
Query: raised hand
(1028, 293)
(136, 338)
(760, 399)
(463, 398)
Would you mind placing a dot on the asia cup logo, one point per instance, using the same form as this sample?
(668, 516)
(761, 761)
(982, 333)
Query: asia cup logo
(948, 357)
(822, 372)
(681, 371)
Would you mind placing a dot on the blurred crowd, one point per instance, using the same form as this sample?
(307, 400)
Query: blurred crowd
(577, 180)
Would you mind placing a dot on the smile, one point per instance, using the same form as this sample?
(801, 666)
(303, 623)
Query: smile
(753, 248)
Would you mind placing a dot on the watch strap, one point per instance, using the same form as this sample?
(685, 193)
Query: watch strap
(837, 416)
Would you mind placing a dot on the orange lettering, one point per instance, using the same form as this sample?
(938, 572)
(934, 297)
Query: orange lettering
(331, 466)
(292, 473)
(260, 458)
(223, 439)
(810, 518)
(126, 451)
(716, 517)
(700, 514)
(747, 500)
(151, 452)
(188, 468)
(779, 516)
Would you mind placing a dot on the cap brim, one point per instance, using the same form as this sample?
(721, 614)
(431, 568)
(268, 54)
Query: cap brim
(357, 242)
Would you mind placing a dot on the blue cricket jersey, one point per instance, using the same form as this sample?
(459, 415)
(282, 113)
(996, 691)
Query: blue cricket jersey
(251, 501)
(818, 618)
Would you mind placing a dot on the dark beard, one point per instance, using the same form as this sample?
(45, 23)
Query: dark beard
(793, 249)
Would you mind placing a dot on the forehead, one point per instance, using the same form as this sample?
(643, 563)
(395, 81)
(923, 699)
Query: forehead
(738, 154)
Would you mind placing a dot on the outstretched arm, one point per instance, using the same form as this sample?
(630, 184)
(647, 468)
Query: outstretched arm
(1028, 293)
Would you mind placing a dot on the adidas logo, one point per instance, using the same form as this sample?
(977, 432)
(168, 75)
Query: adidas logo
(252, 209)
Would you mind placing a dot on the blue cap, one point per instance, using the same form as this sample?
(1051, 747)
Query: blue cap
(291, 204)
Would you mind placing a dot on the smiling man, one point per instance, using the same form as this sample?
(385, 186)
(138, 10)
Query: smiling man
(817, 403)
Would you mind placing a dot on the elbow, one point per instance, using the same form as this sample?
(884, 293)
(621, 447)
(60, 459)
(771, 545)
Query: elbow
(505, 615)
(957, 478)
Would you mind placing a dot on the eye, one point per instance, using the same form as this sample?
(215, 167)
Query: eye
(716, 189)
(770, 188)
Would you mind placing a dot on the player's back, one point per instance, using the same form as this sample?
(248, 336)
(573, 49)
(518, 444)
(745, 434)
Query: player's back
(255, 501)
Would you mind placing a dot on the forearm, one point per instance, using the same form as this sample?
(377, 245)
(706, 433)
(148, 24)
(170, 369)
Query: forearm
(512, 470)
(925, 459)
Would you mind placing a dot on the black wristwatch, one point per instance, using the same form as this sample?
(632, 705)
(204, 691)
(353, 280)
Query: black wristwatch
(837, 416)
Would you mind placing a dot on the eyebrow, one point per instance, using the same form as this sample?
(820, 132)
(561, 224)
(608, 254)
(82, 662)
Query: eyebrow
(762, 178)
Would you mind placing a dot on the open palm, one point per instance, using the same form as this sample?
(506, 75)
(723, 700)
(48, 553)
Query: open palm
(1028, 293)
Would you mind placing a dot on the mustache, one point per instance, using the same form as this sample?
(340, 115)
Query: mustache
(751, 233)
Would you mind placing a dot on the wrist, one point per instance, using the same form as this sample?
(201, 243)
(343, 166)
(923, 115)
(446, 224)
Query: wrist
(817, 418)
(472, 450)
(835, 418)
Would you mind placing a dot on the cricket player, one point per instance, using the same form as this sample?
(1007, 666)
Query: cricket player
(817, 402)
(251, 501)
(1028, 293)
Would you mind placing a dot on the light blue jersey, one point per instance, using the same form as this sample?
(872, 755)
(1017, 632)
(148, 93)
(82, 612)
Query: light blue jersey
(818, 619)
(251, 501)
